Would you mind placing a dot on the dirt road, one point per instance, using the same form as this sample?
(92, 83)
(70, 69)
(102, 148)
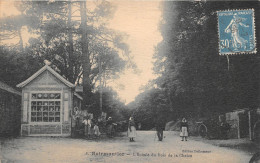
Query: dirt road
(146, 148)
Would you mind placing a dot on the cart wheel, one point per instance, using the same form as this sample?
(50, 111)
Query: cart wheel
(203, 130)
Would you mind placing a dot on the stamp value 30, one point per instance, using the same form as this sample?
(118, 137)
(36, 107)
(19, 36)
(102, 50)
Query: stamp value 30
(236, 29)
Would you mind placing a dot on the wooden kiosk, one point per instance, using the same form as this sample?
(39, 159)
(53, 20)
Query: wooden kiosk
(47, 102)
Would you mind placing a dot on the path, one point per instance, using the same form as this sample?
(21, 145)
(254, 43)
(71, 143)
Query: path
(144, 149)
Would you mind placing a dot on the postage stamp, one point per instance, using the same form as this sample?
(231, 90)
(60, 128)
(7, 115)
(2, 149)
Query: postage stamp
(236, 30)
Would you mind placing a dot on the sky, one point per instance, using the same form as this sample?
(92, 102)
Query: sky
(139, 20)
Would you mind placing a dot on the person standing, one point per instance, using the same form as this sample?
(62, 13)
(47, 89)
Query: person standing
(96, 130)
(87, 124)
(184, 129)
(160, 126)
(109, 125)
(131, 129)
(224, 127)
(139, 125)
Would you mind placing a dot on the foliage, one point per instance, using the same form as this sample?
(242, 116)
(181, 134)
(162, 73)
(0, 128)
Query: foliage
(56, 30)
(110, 105)
(56, 36)
(16, 66)
(193, 75)
(149, 106)
(193, 79)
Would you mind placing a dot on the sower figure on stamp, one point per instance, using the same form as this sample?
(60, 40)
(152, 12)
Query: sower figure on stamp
(184, 129)
(233, 28)
(131, 129)
(160, 126)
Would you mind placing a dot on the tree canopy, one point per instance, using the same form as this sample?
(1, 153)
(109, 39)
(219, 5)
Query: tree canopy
(73, 36)
(193, 78)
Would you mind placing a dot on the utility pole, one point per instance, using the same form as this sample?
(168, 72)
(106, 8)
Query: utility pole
(100, 82)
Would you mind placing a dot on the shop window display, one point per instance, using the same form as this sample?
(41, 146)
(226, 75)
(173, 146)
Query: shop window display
(45, 107)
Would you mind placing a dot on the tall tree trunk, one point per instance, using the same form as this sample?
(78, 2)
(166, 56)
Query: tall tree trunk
(100, 83)
(21, 39)
(85, 57)
(71, 75)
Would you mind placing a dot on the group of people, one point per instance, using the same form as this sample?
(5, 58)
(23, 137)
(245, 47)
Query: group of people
(159, 126)
(92, 128)
(110, 127)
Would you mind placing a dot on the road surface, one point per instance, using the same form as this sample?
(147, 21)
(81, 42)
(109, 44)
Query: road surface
(146, 148)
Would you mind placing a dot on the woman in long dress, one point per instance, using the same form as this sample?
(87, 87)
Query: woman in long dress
(96, 130)
(131, 129)
(184, 129)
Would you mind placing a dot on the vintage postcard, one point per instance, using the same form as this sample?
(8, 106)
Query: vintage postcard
(118, 81)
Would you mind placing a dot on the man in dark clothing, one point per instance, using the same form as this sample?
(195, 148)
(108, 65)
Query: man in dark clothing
(160, 125)
(109, 125)
(224, 127)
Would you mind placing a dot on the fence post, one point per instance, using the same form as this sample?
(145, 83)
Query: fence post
(238, 127)
(249, 119)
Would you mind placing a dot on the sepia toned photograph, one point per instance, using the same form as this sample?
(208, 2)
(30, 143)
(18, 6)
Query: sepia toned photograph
(138, 81)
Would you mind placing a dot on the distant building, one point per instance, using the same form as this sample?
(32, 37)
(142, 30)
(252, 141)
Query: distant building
(47, 102)
(10, 105)
(244, 123)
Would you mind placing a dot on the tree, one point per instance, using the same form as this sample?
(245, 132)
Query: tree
(62, 36)
(16, 66)
(191, 72)
(12, 27)
(111, 105)
(85, 55)
(148, 106)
